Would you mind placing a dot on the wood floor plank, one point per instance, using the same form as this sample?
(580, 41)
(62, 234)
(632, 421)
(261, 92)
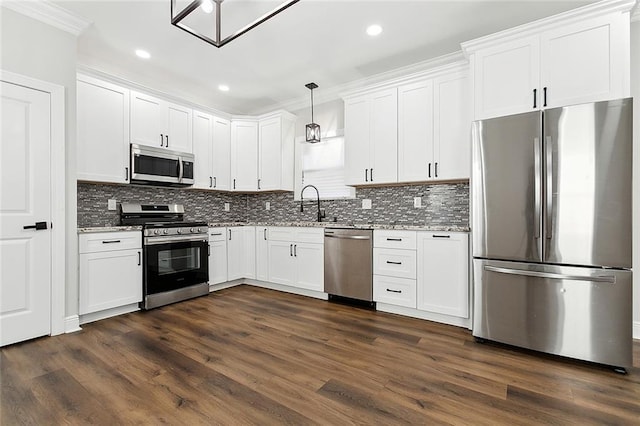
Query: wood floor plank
(248, 355)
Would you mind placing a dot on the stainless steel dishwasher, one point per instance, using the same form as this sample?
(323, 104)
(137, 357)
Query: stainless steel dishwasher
(348, 263)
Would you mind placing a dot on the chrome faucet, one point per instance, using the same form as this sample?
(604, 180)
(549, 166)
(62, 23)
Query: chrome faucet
(320, 213)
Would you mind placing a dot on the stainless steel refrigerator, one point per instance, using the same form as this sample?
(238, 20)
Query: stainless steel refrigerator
(551, 226)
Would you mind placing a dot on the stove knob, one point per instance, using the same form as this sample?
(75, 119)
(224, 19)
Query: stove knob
(192, 230)
(201, 230)
(155, 231)
(165, 232)
(179, 231)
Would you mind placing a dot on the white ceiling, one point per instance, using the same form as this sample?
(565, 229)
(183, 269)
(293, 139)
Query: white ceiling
(314, 40)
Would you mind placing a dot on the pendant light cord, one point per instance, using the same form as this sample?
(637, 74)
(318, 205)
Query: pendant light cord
(312, 106)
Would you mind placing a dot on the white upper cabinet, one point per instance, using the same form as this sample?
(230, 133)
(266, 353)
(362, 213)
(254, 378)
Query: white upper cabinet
(202, 150)
(221, 161)
(545, 65)
(244, 155)
(275, 153)
(415, 130)
(371, 138)
(103, 131)
(156, 122)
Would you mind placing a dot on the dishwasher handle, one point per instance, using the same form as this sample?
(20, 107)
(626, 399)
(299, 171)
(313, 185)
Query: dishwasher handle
(348, 237)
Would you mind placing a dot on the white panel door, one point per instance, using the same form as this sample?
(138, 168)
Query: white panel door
(582, 62)
(235, 253)
(309, 259)
(221, 154)
(249, 255)
(103, 131)
(270, 154)
(443, 273)
(452, 127)
(262, 253)
(179, 137)
(148, 120)
(217, 256)
(25, 254)
(202, 147)
(281, 263)
(506, 77)
(415, 131)
(244, 156)
(383, 145)
(356, 140)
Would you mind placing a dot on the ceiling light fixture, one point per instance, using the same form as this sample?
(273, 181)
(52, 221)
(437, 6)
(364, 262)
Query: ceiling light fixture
(223, 88)
(374, 30)
(313, 129)
(142, 54)
(217, 40)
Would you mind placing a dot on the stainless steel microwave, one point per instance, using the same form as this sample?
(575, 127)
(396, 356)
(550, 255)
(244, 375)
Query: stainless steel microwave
(160, 166)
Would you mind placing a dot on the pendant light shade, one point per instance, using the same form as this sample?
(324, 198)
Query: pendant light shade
(313, 129)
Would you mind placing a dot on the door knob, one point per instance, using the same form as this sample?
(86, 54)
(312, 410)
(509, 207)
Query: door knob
(38, 226)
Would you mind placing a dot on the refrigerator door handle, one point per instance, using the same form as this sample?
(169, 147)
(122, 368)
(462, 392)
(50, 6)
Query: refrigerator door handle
(598, 279)
(536, 187)
(549, 188)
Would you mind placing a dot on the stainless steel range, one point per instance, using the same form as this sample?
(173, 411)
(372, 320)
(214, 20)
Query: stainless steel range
(175, 253)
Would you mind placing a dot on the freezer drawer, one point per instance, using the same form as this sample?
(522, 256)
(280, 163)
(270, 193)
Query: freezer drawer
(582, 313)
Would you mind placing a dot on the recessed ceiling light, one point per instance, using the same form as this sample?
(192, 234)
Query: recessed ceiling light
(206, 6)
(223, 88)
(143, 54)
(374, 30)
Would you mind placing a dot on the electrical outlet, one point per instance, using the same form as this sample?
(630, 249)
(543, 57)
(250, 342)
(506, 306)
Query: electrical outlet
(111, 204)
(267, 205)
(417, 202)
(366, 204)
(227, 207)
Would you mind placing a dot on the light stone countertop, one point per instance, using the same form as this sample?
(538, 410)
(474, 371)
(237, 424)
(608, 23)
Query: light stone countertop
(95, 229)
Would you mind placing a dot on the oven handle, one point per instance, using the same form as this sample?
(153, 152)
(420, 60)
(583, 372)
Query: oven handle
(174, 239)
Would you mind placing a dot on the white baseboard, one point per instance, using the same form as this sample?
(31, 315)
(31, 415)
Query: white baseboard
(72, 324)
(429, 316)
(108, 313)
(279, 287)
(222, 286)
(636, 330)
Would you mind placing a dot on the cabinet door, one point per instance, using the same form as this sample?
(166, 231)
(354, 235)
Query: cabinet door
(202, 147)
(221, 154)
(109, 279)
(383, 143)
(281, 263)
(262, 253)
(443, 273)
(309, 260)
(249, 254)
(415, 131)
(452, 127)
(218, 260)
(244, 156)
(103, 131)
(270, 154)
(585, 62)
(505, 78)
(148, 120)
(178, 128)
(356, 141)
(235, 253)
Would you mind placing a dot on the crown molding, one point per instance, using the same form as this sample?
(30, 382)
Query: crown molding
(586, 12)
(430, 67)
(49, 13)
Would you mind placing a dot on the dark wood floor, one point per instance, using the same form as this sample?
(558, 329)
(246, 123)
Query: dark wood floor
(247, 355)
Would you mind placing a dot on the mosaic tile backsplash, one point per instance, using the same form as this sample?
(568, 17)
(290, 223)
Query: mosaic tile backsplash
(442, 204)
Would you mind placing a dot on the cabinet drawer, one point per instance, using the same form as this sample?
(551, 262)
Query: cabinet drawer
(309, 235)
(109, 241)
(280, 233)
(394, 291)
(395, 239)
(394, 263)
(445, 236)
(217, 234)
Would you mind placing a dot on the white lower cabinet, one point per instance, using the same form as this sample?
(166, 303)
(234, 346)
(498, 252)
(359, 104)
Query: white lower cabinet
(241, 252)
(394, 267)
(394, 291)
(262, 253)
(110, 270)
(217, 255)
(443, 273)
(296, 257)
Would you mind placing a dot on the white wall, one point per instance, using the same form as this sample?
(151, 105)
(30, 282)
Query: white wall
(635, 92)
(40, 51)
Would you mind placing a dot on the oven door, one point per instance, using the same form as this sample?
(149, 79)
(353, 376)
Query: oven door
(174, 264)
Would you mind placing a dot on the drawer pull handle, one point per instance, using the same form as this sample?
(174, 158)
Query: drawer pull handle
(394, 291)
(139, 259)
(110, 241)
(216, 234)
(394, 239)
(394, 263)
(442, 236)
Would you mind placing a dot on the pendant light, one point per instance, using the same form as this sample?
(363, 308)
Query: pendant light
(313, 129)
